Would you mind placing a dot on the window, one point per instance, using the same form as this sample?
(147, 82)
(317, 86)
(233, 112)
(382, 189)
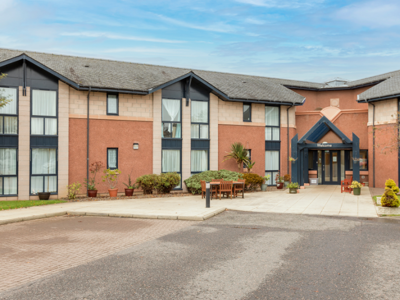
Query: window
(246, 112)
(248, 156)
(171, 162)
(271, 165)
(199, 119)
(272, 131)
(112, 104)
(43, 170)
(112, 158)
(8, 113)
(171, 118)
(44, 113)
(8, 171)
(199, 161)
(363, 160)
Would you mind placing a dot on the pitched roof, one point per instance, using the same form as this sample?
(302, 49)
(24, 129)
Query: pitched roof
(100, 73)
(385, 89)
(118, 75)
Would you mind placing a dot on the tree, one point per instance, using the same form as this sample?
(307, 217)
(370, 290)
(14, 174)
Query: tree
(239, 154)
(3, 99)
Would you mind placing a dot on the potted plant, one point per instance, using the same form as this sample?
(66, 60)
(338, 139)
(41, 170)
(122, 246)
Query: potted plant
(91, 183)
(250, 165)
(110, 177)
(293, 187)
(279, 181)
(286, 179)
(130, 187)
(42, 195)
(356, 186)
(264, 186)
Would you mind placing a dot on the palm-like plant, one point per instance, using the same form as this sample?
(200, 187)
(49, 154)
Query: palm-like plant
(239, 154)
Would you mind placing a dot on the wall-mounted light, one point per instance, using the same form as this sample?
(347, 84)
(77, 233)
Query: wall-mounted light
(135, 146)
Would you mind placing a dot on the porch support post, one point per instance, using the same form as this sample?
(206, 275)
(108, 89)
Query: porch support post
(295, 140)
(356, 158)
(305, 166)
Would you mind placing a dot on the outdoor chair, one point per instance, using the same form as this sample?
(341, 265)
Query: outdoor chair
(238, 187)
(345, 185)
(225, 188)
(216, 187)
(204, 190)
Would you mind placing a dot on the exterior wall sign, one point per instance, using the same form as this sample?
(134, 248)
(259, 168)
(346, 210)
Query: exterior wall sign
(324, 145)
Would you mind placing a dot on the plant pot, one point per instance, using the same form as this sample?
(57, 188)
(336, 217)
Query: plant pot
(293, 191)
(286, 183)
(129, 192)
(264, 187)
(92, 193)
(279, 185)
(44, 196)
(113, 192)
(357, 191)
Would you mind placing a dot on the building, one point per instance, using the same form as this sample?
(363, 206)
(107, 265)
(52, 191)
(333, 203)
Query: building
(68, 112)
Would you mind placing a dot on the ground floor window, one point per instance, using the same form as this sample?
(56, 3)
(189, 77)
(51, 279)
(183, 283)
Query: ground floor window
(8, 171)
(363, 160)
(43, 170)
(271, 165)
(199, 161)
(171, 162)
(112, 158)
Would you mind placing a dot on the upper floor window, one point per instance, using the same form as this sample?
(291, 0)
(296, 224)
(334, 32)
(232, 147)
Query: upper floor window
(8, 113)
(199, 119)
(171, 118)
(112, 104)
(246, 112)
(44, 113)
(272, 130)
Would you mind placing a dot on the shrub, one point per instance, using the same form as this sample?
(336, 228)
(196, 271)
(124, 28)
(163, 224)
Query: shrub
(110, 177)
(147, 183)
(253, 181)
(389, 198)
(193, 183)
(286, 177)
(293, 185)
(166, 182)
(73, 189)
(356, 185)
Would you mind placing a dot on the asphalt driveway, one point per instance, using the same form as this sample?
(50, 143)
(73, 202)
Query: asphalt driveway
(242, 255)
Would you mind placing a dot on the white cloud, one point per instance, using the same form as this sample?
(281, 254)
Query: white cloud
(6, 4)
(282, 3)
(92, 34)
(254, 21)
(371, 13)
(217, 27)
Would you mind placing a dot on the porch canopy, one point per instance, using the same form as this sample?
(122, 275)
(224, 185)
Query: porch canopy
(311, 140)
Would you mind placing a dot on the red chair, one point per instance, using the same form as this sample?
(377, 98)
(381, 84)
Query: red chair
(226, 188)
(345, 185)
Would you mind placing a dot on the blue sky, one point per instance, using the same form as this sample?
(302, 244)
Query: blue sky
(312, 40)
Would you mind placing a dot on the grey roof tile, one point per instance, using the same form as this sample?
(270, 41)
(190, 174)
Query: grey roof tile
(389, 87)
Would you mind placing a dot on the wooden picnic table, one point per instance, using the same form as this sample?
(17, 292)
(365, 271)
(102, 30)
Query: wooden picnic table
(215, 183)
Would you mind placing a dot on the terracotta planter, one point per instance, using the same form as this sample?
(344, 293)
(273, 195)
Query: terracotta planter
(92, 193)
(129, 192)
(44, 196)
(279, 185)
(113, 192)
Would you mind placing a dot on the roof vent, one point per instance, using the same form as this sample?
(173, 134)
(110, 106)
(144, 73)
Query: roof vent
(336, 82)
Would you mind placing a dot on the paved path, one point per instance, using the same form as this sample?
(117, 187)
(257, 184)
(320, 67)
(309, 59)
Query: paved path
(34, 249)
(316, 200)
(235, 255)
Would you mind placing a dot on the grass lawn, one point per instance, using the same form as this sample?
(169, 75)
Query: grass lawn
(26, 203)
(374, 198)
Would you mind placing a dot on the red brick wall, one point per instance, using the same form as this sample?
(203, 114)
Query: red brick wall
(386, 154)
(110, 134)
(252, 137)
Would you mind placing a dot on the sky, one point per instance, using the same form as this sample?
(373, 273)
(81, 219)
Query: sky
(312, 40)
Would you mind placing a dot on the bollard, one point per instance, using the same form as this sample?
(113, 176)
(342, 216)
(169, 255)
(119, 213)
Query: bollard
(207, 195)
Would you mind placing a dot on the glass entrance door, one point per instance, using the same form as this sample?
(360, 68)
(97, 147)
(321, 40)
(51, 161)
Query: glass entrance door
(331, 167)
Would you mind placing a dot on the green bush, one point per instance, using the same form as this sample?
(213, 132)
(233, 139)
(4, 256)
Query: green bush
(147, 183)
(193, 183)
(253, 181)
(293, 185)
(389, 198)
(166, 182)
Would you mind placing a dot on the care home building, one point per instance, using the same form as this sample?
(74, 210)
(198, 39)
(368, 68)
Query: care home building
(68, 112)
